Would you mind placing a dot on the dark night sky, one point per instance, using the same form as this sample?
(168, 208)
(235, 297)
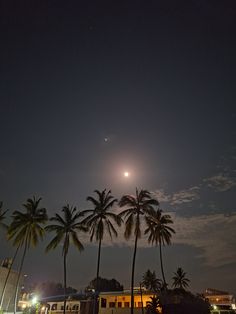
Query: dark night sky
(157, 79)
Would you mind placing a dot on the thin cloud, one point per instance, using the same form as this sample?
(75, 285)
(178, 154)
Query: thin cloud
(186, 196)
(220, 182)
(214, 235)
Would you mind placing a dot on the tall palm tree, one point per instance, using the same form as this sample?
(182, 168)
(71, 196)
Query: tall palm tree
(151, 282)
(159, 232)
(100, 219)
(3, 226)
(179, 279)
(25, 231)
(137, 206)
(66, 228)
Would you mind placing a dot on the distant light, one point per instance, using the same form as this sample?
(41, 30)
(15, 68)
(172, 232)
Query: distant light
(126, 174)
(34, 300)
(43, 308)
(214, 307)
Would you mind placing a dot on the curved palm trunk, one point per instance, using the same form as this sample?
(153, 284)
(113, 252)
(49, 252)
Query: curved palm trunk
(97, 276)
(132, 276)
(65, 279)
(162, 269)
(19, 275)
(7, 277)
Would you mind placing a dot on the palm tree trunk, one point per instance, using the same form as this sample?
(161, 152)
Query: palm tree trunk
(162, 269)
(19, 274)
(64, 309)
(132, 276)
(98, 263)
(97, 276)
(6, 280)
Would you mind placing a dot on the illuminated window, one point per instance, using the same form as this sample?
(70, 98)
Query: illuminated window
(126, 304)
(139, 304)
(119, 304)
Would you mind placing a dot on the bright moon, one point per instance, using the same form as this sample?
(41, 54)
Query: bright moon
(126, 174)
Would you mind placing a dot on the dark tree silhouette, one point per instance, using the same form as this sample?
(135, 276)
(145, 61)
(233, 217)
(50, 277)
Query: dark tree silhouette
(137, 206)
(159, 232)
(180, 280)
(66, 228)
(25, 231)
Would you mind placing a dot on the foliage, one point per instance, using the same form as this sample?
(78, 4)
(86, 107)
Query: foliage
(137, 205)
(99, 219)
(104, 284)
(153, 305)
(2, 216)
(151, 282)
(179, 279)
(66, 228)
(179, 301)
(159, 232)
(26, 230)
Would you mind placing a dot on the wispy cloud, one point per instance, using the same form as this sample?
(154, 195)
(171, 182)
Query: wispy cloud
(185, 196)
(162, 196)
(220, 182)
(208, 232)
(180, 197)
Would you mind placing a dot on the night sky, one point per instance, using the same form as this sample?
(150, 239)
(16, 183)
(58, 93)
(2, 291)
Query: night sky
(90, 89)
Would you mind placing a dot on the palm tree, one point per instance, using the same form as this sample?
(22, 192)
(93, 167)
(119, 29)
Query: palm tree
(179, 279)
(137, 205)
(159, 233)
(153, 305)
(151, 282)
(2, 216)
(99, 219)
(25, 231)
(66, 229)
(4, 226)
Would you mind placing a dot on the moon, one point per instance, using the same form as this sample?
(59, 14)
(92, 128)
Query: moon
(126, 174)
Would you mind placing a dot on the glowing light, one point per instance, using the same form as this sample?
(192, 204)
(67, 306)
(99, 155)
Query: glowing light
(34, 300)
(126, 174)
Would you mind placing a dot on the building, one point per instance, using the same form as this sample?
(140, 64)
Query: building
(120, 302)
(8, 298)
(220, 300)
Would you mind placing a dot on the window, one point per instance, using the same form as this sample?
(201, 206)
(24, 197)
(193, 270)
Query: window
(54, 307)
(119, 304)
(139, 304)
(126, 304)
(112, 304)
(103, 302)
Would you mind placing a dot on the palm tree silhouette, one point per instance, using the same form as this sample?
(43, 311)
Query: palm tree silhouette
(3, 226)
(2, 216)
(153, 305)
(151, 282)
(137, 205)
(179, 279)
(66, 229)
(159, 233)
(99, 219)
(25, 231)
